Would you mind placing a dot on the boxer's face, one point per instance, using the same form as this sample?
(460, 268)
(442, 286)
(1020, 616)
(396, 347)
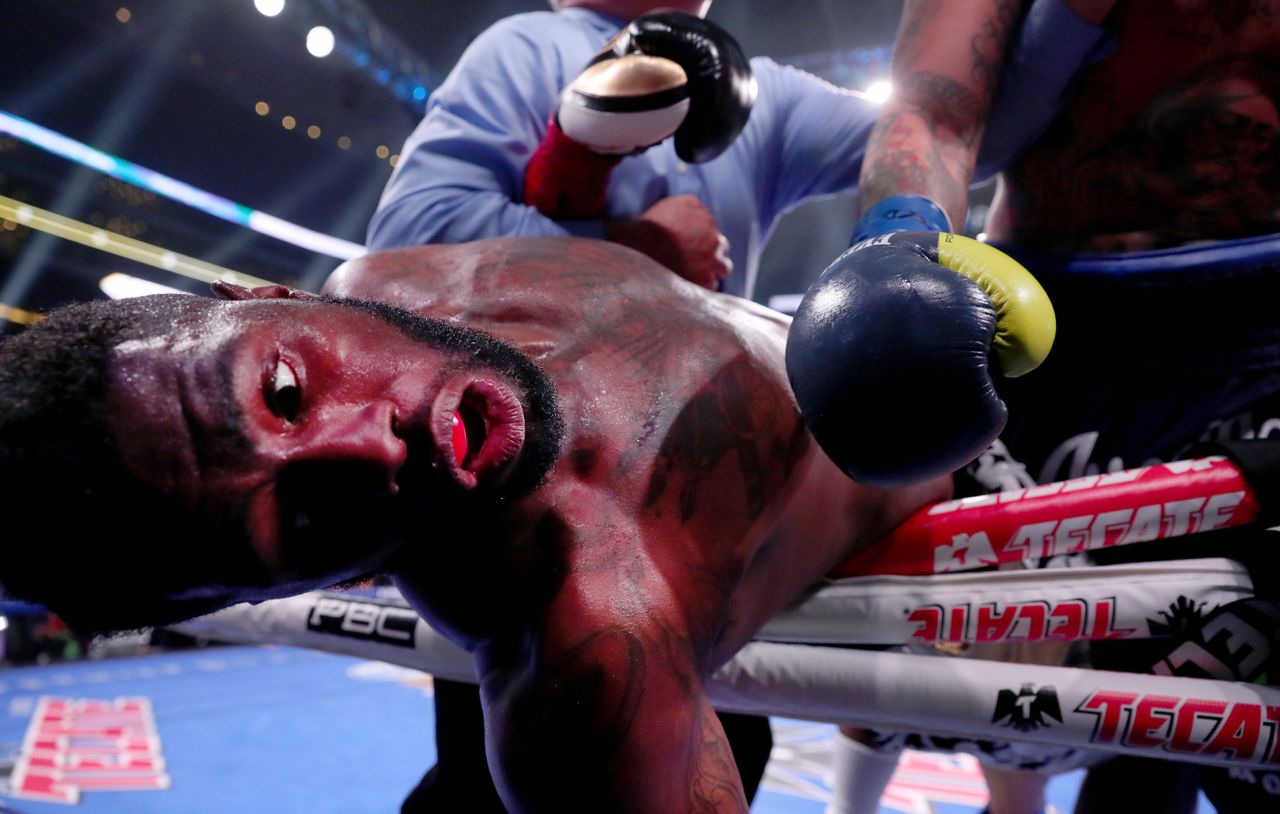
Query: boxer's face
(326, 433)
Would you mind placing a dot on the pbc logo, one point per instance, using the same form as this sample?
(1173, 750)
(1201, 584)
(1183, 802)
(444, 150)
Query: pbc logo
(1025, 710)
(388, 624)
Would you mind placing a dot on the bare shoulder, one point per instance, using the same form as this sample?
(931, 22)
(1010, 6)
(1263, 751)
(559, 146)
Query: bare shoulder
(561, 296)
(438, 273)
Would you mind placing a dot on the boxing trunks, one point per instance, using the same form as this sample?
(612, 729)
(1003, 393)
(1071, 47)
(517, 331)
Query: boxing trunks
(1157, 351)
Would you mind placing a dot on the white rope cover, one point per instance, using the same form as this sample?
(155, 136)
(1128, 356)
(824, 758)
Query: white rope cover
(1215, 722)
(351, 625)
(1057, 604)
(1189, 719)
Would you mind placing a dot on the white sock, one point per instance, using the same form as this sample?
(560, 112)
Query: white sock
(861, 775)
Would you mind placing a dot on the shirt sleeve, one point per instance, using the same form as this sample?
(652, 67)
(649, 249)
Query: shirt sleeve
(460, 176)
(813, 136)
(1053, 47)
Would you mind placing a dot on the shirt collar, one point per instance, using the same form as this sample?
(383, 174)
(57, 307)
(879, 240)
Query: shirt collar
(605, 22)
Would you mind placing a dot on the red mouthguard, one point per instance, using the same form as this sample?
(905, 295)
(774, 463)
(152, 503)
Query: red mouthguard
(459, 439)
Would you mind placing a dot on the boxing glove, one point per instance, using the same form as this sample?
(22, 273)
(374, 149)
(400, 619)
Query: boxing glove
(721, 87)
(666, 74)
(890, 353)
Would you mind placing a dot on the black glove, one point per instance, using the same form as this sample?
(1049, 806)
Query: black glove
(719, 86)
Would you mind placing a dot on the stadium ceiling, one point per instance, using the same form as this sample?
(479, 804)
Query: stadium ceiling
(214, 95)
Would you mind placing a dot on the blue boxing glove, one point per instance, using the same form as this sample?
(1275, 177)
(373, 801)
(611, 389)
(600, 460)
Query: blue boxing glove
(890, 352)
(900, 213)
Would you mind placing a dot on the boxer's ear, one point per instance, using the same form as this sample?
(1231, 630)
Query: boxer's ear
(231, 291)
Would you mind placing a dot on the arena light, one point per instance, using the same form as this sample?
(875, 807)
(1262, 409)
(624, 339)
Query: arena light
(176, 190)
(269, 8)
(129, 248)
(786, 303)
(320, 41)
(18, 316)
(879, 92)
(120, 286)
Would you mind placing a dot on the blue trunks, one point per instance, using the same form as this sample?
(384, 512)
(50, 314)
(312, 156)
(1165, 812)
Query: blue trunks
(1155, 351)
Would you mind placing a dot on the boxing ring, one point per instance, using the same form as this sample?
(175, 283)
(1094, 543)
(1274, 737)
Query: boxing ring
(915, 589)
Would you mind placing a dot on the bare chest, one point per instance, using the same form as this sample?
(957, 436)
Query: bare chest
(1173, 138)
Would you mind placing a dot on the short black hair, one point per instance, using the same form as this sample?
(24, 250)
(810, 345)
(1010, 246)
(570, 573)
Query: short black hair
(78, 525)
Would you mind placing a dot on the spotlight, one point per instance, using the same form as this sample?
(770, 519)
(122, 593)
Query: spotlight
(320, 41)
(879, 91)
(269, 8)
(119, 286)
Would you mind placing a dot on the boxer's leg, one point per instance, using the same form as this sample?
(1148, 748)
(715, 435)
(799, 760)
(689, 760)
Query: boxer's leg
(1126, 785)
(1015, 791)
(860, 773)
(460, 780)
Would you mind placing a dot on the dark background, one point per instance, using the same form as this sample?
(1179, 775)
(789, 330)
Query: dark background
(171, 85)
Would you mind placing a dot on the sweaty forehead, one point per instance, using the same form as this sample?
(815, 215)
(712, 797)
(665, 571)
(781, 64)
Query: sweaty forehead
(215, 322)
(194, 329)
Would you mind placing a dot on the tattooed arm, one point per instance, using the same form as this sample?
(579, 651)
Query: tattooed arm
(946, 64)
(600, 707)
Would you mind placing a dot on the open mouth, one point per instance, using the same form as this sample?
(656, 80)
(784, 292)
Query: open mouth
(485, 430)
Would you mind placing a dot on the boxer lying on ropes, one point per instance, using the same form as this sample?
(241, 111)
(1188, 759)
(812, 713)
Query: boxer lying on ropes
(585, 470)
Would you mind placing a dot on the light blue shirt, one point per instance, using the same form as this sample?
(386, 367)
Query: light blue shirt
(461, 173)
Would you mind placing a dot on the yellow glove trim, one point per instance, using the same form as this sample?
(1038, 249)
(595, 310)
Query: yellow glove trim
(1025, 322)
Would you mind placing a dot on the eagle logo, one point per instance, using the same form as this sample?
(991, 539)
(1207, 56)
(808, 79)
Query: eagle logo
(1025, 710)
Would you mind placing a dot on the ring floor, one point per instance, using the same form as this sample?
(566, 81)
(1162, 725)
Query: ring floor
(286, 730)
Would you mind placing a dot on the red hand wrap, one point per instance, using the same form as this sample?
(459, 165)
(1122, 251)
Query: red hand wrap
(565, 179)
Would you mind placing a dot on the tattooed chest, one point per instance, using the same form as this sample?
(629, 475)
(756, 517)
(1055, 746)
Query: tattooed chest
(726, 459)
(1199, 159)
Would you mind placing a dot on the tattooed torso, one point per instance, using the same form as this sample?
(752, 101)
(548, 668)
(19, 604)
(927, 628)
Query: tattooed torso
(679, 416)
(1174, 138)
(687, 507)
